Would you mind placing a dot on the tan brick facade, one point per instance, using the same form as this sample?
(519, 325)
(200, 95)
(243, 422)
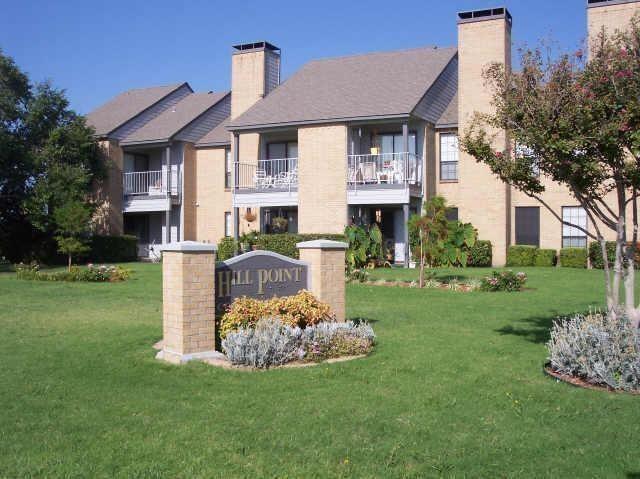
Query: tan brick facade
(322, 187)
(327, 274)
(483, 199)
(247, 80)
(108, 217)
(188, 317)
(611, 17)
(213, 199)
(190, 192)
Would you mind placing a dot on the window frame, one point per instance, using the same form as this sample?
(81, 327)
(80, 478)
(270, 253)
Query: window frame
(581, 236)
(456, 162)
(228, 224)
(515, 225)
(228, 168)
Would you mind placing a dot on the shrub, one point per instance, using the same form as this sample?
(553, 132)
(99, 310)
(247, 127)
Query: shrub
(573, 257)
(480, 254)
(503, 281)
(283, 243)
(91, 273)
(300, 310)
(227, 247)
(595, 254)
(521, 255)
(546, 257)
(112, 249)
(332, 340)
(272, 343)
(599, 349)
(358, 275)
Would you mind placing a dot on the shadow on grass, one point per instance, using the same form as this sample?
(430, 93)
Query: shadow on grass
(633, 475)
(535, 329)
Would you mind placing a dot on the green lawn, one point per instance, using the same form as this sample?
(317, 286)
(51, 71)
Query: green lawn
(453, 389)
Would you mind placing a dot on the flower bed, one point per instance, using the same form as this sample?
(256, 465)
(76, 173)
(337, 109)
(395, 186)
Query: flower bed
(92, 273)
(272, 343)
(504, 281)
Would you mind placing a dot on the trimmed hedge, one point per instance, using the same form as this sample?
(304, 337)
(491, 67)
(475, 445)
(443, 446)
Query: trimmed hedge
(573, 257)
(113, 249)
(521, 255)
(546, 257)
(481, 254)
(595, 255)
(282, 243)
(285, 243)
(227, 247)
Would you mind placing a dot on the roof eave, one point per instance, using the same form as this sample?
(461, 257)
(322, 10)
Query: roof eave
(394, 116)
(446, 126)
(213, 144)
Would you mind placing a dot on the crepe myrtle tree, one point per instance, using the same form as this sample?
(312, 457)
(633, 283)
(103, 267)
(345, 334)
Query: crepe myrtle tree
(578, 124)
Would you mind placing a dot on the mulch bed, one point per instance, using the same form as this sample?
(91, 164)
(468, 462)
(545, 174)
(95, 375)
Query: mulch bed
(581, 383)
(462, 288)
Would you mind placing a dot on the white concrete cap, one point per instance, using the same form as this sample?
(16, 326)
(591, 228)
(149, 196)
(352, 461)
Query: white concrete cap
(186, 246)
(322, 244)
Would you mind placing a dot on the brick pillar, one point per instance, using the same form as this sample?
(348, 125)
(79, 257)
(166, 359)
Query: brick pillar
(188, 302)
(326, 262)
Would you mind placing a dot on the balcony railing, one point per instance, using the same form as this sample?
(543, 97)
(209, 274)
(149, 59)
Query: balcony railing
(151, 183)
(278, 174)
(384, 169)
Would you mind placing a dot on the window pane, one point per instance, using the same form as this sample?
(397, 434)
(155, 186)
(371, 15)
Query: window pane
(276, 151)
(293, 150)
(448, 156)
(386, 143)
(573, 237)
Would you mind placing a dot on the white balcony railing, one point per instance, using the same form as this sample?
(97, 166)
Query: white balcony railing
(278, 174)
(384, 169)
(151, 183)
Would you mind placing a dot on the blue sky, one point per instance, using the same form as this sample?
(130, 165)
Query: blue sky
(95, 50)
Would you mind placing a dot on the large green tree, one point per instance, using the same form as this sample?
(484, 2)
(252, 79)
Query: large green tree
(578, 124)
(48, 158)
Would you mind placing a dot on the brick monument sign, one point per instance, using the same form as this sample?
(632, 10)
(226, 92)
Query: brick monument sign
(195, 288)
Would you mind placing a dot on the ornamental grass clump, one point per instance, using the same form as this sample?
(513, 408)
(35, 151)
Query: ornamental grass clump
(598, 348)
(503, 281)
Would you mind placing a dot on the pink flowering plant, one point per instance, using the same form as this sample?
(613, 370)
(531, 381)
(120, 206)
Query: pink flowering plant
(504, 281)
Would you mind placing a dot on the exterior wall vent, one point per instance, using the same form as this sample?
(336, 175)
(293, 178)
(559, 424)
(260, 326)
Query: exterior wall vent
(486, 14)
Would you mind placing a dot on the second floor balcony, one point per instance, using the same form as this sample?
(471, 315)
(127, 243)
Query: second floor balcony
(150, 190)
(268, 176)
(395, 170)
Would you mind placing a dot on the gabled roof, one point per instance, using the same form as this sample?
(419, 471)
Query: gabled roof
(374, 85)
(219, 136)
(173, 120)
(449, 118)
(126, 106)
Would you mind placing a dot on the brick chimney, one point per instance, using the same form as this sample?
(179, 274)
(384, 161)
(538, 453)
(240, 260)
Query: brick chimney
(255, 71)
(484, 37)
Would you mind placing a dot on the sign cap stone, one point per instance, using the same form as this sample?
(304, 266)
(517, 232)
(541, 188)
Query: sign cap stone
(322, 244)
(187, 246)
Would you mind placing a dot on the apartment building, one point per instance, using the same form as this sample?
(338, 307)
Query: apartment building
(356, 139)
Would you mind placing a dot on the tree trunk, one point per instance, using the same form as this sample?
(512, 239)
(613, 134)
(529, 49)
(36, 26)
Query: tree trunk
(69, 265)
(630, 283)
(618, 263)
(421, 285)
(607, 275)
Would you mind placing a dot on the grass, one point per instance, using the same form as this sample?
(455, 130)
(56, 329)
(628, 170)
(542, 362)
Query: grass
(454, 389)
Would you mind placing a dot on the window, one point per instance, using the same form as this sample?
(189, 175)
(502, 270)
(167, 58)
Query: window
(528, 225)
(228, 227)
(523, 151)
(283, 156)
(227, 167)
(572, 237)
(452, 214)
(393, 143)
(448, 157)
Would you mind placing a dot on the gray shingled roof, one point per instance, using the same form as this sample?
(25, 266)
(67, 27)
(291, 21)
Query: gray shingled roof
(125, 106)
(171, 121)
(219, 136)
(363, 86)
(450, 115)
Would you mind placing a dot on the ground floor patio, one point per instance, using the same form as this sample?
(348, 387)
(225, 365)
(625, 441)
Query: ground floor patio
(454, 388)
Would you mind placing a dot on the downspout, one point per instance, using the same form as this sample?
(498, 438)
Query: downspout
(236, 172)
(167, 214)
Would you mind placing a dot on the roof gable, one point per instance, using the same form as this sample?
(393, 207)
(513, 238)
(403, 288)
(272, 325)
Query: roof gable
(362, 86)
(126, 106)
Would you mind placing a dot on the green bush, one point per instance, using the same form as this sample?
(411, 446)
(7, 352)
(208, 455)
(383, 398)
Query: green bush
(112, 249)
(521, 255)
(573, 257)
(226, 248)
(480, 254)
(546, 257)
(503, 281)
(282, 243)
(93, 274)
(595, 254)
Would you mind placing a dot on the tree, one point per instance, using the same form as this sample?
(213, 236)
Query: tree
(73, 225)
(48, 157)
(578, 124)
